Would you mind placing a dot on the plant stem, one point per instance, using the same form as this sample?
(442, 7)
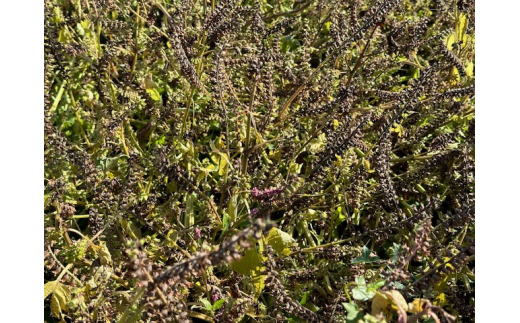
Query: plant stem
(132, 302)
(57, 99)
(65, 268)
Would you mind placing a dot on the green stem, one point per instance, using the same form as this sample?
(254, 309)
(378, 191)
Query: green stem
(305, 228)
(57, 99)
(82, 216)
(407, 158)
(133, 301)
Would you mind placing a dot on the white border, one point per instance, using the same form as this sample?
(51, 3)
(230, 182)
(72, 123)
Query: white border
(498, 133)
(21, 160)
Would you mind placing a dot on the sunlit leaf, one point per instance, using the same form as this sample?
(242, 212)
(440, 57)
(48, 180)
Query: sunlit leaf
(280, 241)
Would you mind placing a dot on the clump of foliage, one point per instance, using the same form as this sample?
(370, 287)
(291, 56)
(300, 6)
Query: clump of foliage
(259, 161)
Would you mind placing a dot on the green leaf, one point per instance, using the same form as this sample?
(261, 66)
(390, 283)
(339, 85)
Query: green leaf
(356, 216)
(280, 241)
(232, 208)
(154, 94)
(312, 307)
(289, 44)
(131, 229)
(397, 248)
(349, 307)
(207, 304)
(360, 280)
(225, 222)
(361, 292)
(80, 30)
(82, 247)
(353, 313)
(365, 257)
(376, 285)
(340, 216)
(222, 165)
(218, 304)
(304, 298)
(397, 285)
(326, 28)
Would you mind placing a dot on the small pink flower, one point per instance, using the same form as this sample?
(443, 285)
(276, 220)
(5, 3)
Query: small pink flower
(255, 192)
(215, 297)
(197, 233)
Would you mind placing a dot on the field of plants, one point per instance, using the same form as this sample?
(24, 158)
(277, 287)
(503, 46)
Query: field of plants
(259, 161)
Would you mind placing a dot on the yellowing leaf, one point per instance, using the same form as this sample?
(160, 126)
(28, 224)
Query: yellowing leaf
(462, 25)
(466, 40)
(258, 281)
(250, 265)
(380, 304)
(386, 302)
(398, 129)
(417, 305)
(259, 138)
(232, 209)
(280, 241)
(131, 229)
(336, 124)
(60, 297)
(469, 69)
(440, 300)
(295, 168)
(154, 94)
(397, 299)
(251, 261)
(450, 41)
(454, 76)
(55, 307)
(442, 284)
(101, 276)
(366, 164)
(338, 161)
(49, 288)
(222, 166)
(224, 158)
(104, 254)
(316, 144)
